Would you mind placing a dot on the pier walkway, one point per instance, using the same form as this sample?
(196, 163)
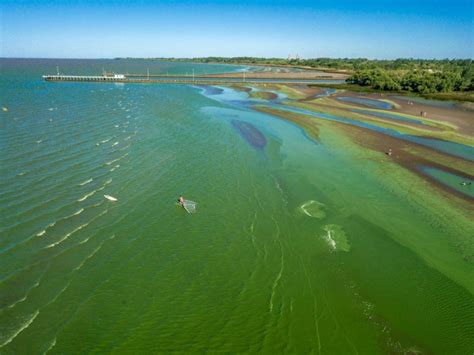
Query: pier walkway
(167, 79)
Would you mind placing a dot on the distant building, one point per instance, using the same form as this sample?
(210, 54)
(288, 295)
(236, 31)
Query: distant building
(114, 76)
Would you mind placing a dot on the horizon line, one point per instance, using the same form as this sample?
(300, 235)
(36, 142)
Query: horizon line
(233, 57)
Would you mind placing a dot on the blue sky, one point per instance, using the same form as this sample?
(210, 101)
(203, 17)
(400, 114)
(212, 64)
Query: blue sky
(106, 29)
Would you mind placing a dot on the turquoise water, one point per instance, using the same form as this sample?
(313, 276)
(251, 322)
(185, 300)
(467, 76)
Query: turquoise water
(295, 247)
(458, 183)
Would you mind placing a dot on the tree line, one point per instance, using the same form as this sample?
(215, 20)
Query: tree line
(424, 81)
(403, 74)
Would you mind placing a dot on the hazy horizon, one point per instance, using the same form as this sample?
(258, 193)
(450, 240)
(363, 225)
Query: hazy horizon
(310, 29)
(217, 56)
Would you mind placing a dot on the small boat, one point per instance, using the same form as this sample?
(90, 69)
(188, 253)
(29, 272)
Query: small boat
(110, 198)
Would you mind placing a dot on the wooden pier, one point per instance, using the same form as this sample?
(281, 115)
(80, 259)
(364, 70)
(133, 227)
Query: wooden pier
(169, 79)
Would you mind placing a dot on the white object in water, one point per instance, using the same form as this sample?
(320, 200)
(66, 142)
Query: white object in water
(110, 198)
(189, 206)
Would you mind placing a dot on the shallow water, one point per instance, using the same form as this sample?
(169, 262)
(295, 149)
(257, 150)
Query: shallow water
(294, 247)
(458, 183)
(422, 100)
(389, 116)
(456, 149)
(366, 102)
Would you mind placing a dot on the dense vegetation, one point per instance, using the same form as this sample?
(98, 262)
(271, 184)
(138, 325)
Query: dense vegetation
(413, 75)
(450, 78)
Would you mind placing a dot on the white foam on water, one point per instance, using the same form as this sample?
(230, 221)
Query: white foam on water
(117, 126)
(16, 302)
(106, 140)
(88, 257)
(19, 330)
(86, 196)
(85, 182)
(336, 238)
(304, 209)
(330, 240)
(67, 235)
(93, 252)
(26, 295)
(85, 240)
(115, 167)
(113, 145)
(39, 141)
(318, 213)
(59, 294)
(77, 212)
(40, 234)
(52, 345)
(112, 161)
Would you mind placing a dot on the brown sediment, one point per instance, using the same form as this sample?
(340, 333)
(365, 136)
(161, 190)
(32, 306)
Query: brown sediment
(430, 125)
(310, 92)
(266, 95)
(407, 154)
(458, 116)
(401, 155)
(344, 110)
(241, 88)
(304, 121)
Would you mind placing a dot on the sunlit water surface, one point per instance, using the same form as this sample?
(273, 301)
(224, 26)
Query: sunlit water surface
(294, 246)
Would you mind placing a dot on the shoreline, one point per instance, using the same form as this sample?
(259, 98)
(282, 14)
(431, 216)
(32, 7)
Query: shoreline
(409, 155)
(462, 96)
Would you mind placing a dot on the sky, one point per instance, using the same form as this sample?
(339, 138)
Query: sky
(383, 29)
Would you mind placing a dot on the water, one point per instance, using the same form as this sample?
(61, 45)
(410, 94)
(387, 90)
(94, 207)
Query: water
(458, 183)
(295, 247)
(389, 116)
(422, 100)
(366, 102)
(456, 149)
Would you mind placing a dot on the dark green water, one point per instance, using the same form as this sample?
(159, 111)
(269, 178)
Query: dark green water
(296, 246)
